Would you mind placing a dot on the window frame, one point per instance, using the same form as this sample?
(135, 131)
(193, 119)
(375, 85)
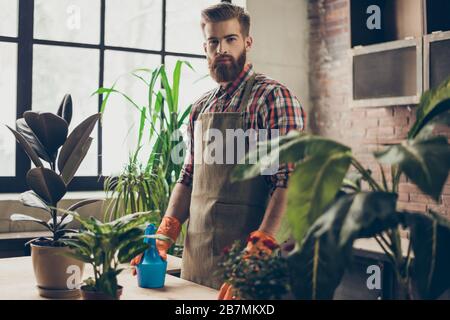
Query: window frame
(25, 42)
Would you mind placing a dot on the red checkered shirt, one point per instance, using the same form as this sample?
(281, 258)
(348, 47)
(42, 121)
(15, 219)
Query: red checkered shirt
(271, 106)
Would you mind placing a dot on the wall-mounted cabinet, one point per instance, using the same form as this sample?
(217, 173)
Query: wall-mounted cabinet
(387, 74)
(436, 58)
(409, 52)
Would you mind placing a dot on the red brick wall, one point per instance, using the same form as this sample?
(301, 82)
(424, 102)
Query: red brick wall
(331, 114)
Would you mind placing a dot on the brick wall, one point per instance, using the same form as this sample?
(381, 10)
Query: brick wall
(330, 94)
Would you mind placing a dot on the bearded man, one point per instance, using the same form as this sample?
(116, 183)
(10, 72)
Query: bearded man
(221, 211)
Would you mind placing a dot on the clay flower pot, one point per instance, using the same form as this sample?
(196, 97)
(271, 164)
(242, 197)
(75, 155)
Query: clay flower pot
(57, 275)
(87, 294)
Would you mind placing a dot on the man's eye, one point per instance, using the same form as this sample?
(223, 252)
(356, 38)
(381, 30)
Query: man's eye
(231, 39)
(213, 42)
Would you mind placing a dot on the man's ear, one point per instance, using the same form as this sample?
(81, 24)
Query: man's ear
(248, 43)
(204, 47)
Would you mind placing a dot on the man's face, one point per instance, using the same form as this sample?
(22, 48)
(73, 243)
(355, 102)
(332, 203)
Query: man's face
(226, 49)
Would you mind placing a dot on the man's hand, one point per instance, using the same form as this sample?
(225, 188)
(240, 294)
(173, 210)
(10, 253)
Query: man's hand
(257, 241)
(169, 227)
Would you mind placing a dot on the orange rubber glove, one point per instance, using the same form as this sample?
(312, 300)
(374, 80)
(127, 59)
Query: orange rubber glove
(257, 241)
(169, 227)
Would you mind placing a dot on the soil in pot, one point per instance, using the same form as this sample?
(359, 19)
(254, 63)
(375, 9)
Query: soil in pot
(89, 294)
(57, 275)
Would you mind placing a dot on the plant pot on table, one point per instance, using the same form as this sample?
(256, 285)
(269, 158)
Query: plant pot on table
(90, 294)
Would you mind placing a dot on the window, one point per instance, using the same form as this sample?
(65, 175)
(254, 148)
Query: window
(52, 47)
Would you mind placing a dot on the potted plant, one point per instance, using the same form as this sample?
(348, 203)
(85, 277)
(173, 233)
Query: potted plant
(327, 211)
(260, 276)
(44, 137)
(105, 246)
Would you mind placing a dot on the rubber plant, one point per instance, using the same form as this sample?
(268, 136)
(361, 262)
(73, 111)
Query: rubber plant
(105, 246)
(45, 138)
(327, 211)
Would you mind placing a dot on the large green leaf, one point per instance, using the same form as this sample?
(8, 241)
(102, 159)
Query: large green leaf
(319, 263)
(47, 184)
(425, 162)
(290, 148)
(312, 187)
(31, 199)
(131, 250)
(24, 217)
(50, 129)
(317, 269)
(65, 108)
(28, 134)
(433, 104)
(430, 236)
(27, 148)
(74, 161)
(369, 214)
(72, 149)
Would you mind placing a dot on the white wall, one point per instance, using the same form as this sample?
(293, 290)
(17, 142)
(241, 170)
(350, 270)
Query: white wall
(281, 31)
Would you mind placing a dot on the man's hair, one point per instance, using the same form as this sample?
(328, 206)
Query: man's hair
(226, 11)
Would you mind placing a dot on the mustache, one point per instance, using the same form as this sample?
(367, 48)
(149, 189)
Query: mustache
(222, 57)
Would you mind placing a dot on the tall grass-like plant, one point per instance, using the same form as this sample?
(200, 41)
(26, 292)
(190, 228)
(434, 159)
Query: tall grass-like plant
(327, 212)
(147, 186)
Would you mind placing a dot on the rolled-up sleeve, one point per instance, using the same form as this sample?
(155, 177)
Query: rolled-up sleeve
(285, 113)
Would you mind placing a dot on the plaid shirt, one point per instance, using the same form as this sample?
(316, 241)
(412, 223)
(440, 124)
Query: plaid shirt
(271, 106)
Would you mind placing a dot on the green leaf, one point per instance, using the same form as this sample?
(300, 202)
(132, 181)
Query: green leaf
(168, 90)
(425, 162)
(312, 187)
(31, 138)
(27, 147)
(74, 149)
(82, 203)
(131, 250)
(433, 103)
(65, 108)
(31, 199)
(50, 129)
(290, 148)
(369, 214)
(47, 184)
(430, 236)
(24, 217)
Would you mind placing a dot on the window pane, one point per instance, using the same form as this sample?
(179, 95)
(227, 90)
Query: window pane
(121, 119)
(8, 80)
(183, 32)
(67, 20)
(193, 84)
(9, 17)
(61, 70)
(136, 24)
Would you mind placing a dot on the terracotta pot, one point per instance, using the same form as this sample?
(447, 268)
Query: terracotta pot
(56, 274)
(96, 295)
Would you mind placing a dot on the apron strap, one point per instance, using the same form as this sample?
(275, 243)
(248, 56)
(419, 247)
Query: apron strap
(245, 98)
(247, 92)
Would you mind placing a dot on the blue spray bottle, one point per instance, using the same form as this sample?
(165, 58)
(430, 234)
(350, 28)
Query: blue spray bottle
(151, 272)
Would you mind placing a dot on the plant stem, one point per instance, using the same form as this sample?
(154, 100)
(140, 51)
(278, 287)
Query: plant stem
(366, 176)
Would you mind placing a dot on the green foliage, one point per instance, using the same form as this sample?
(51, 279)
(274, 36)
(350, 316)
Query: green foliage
(107, 245)
(148, 186)
(261, 276)
(327, 210)
(42, 135)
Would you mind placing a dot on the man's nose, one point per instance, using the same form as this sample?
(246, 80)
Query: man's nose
(222, 48)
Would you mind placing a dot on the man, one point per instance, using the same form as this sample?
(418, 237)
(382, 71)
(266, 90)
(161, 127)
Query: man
(219, 211)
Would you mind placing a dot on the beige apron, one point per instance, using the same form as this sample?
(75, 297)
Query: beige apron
(221, 212)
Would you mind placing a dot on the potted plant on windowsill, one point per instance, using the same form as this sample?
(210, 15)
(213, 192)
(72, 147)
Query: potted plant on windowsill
(105, 246)
(44, 137)
(327, 212)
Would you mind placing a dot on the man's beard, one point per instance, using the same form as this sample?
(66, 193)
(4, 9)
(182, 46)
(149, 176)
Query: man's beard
(226, 72)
